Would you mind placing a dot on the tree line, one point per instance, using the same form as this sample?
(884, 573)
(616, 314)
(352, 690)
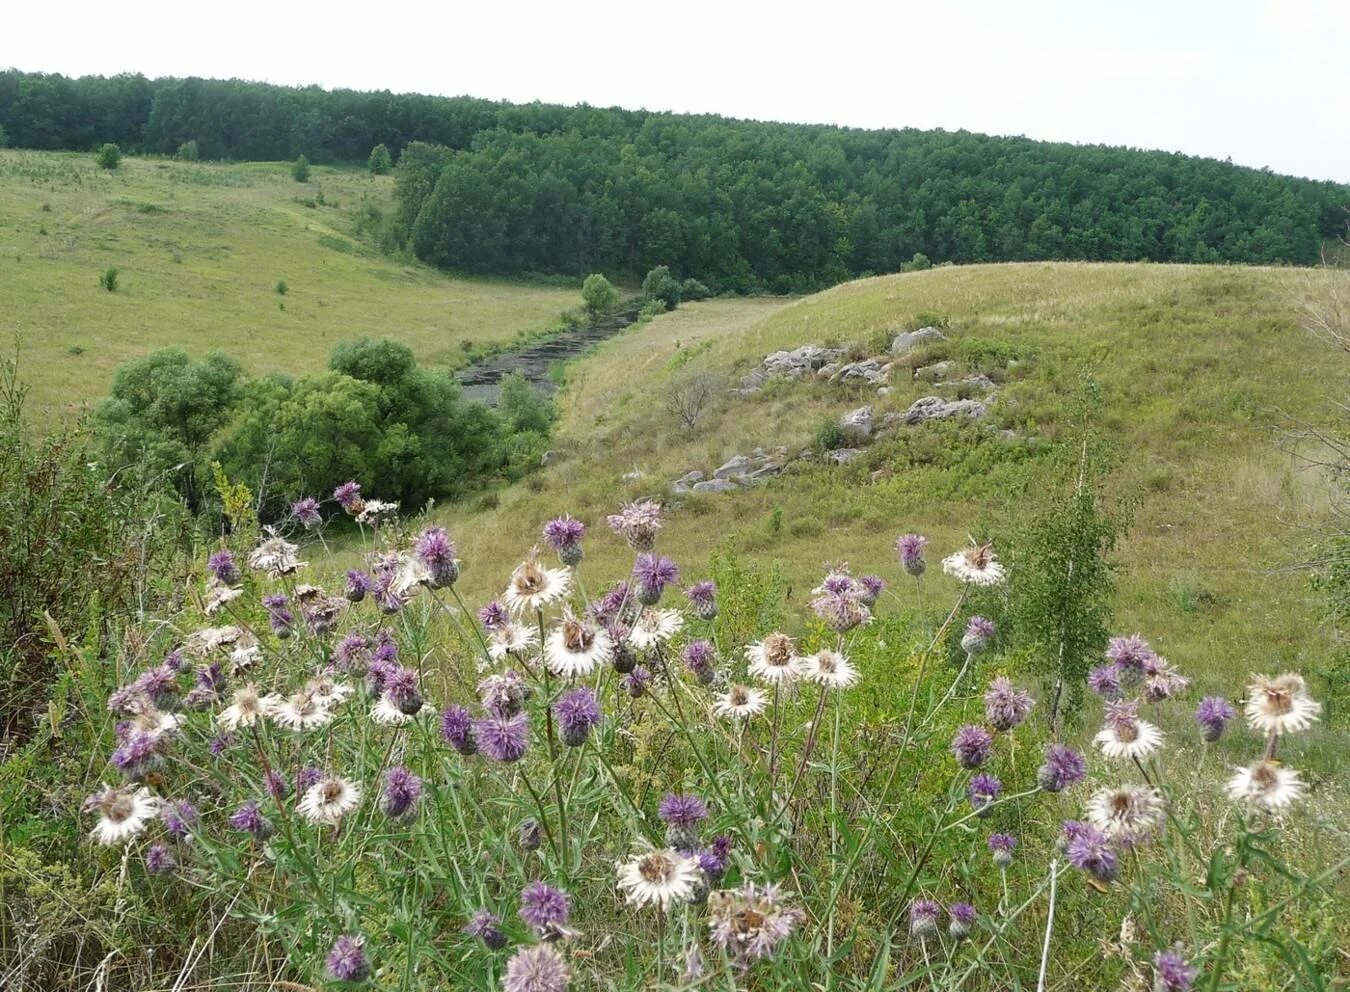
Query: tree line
(741, 205)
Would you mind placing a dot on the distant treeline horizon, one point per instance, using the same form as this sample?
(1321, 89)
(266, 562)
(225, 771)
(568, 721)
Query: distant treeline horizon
(494, 187)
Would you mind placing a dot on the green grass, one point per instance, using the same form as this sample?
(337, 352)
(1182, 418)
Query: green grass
(200, 248)
(1198, 368)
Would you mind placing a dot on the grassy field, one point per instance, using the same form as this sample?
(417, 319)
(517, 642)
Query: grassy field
(200, 249)
(1198, 368)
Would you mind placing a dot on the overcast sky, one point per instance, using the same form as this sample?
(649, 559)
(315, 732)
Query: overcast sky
(1263, 82)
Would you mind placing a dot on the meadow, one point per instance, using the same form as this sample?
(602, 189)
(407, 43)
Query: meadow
(396, 748)
(201, 249)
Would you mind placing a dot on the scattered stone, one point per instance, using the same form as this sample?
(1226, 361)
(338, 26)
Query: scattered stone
(868, 370)
(764, 471)
(637, 475)
(736, 466)
(935, 372)
(714, 486)
(907, 342)
(884, 391)
(793, 364)
(890, 420)
(689, 478)
(549, 457)
(981, 381)
(856, 425)
(936, 408)
(841, 456)
(826, 372)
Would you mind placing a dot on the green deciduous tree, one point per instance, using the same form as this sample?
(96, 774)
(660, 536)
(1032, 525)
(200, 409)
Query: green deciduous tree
(109, 156)
(659, 284)
(300, 170)
(380, 161)
(598, 295)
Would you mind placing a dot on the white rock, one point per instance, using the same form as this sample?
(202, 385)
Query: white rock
(910, 340)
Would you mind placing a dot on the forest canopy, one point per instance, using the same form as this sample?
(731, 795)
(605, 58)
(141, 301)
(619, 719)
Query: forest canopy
(740, 205)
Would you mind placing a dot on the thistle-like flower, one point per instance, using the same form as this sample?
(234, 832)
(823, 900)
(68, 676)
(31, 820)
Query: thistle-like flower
(751, 922)
(828, 668)
(222, 566)
(661, 877)
(702, 598)
(1062, 768)
(249, 819)
(532, 586)
(436, 552)
(910, 548)
(975, 565)
(637, 523)
(503, 740)
(123, 812)
(1104, 680)
(1126, 736)
(1089, 850)
(306, 511)
(1006, 706)
(504, 695)
(301, 711)
(509, 637)
(1266, 783)
(979, 632)
(740, 703)
(700, 657)
(486, 926)
(636, 682)
(1128, 814)
(402, 789)
(983, 790)
(347, 960)
(348, 496)
(564, 535)
(328, 800)
(1280, 705)
(682, 814)
(653, 573)
(1172, 973)
(576, 711)
(774, 660)
(276, 556)
(1162, 680)
(1000, 848)
(1129, 654)
(972, 745)
(457, 730)
(962, 916)
(546, 910)
(1213, 715)
(654, 627)
(923, 918)
(576, 647)
(536, 968)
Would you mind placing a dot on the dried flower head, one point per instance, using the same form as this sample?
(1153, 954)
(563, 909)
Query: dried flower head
(1280, 705)
(740, 702)
(123, 812)
(829, 668)
(637, 523)
(1128, 814)
(750, 922)
(276, 556)
(774, 660)
(661, 877)
(1266, 783)
(577, 647)
(653, 627)
(976, 565)
(532, 586)
(328, 800)
(1125, 736)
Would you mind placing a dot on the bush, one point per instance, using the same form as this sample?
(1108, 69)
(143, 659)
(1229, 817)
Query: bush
(109, 156)
(300, 170)
(187, 151)
(598, 295)
(919, 262)
(108, 280)
(828, 435)
(661, 285)
(282, 288)
(379, 162)
(692, 289)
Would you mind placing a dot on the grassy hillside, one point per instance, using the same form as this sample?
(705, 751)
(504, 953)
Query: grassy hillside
(1197, 368)
(200, 249)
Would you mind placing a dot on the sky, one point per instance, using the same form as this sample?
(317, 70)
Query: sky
(1265, 83)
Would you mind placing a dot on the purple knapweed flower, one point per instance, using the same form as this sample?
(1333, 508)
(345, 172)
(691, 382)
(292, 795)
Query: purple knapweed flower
(352, 653)
(1129, 654)
(923, 917)
(871, 588)
(1174, 974)
(486, 927)
(841, 611)
(564, 535)
(1088, 849)
(175, 660)
(457, 729)
(493, 615)
(1062, 768)
(577, 711)
(618, 603)
(979, 632)
(1001, 847)
(1213, 715)
(713, 860)
(347, 959)
(635, 683)
(436, 551)
(178, 817)
(699, 658)
(653, 573)
(984, 789)
(702, 598)
(307, 777)
(1104, 680)
(137, 754)
(307, 512)
(546, 909)
(348, 496)
(963, 916)
(358, 584)
(503, 740)
(250, 820)
(159, 860)
(402, 688)
(159, 685)
(276, 785)
(910, 548)
(402, 789)
(536, 968)
(682, 810)
(972, 745)
(1005, 706)
(222, 565)
(279, 617)
(220, 744)
(504, 695)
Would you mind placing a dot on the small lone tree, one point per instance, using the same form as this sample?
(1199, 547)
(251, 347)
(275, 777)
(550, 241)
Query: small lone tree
(108, 280)
(598, 295)
(688, 397)
(109, 156)
(187, 151)
(380, 161)
(300, 170)
(661, 285)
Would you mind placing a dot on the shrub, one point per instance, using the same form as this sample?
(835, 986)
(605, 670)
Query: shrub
(659, 284)
(828, 435)
(282, 288)
(300, 170)
(688, 396)
(109, 156)
(919, 262)
(598, 295)
(187, 151)
(108, 280)
(379, 162)
(692, 289)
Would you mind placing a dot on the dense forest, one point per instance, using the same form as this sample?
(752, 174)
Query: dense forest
(741, 205)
